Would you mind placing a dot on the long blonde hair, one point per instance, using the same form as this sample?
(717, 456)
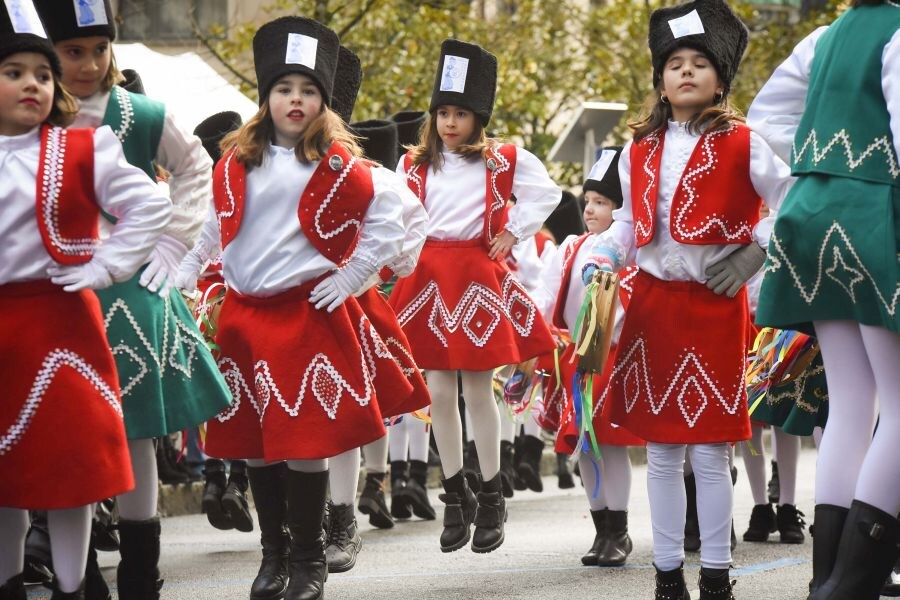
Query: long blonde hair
(429, 148)
(656, 113)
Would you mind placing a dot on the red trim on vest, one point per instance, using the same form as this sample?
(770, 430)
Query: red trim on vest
(540, 242)
(568, 262)
(67, 211)
(715, 201)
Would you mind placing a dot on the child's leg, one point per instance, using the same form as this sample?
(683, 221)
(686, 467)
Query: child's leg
(445, 420)
(665, 488)
(787, 455)
(14, 523)
(343, 475)
(70, 536)
(756, 466)
(616, 476)
(376, 455)
(594, 481)
(715, 498)
(140, 503)
(419, 436)
(398, 437)
(480, 403)
(507, 426)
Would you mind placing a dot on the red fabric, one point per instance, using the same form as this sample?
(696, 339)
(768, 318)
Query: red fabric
(269, 348)
(568, 261)
(714, 203)
(67, 211)
(62, 438)
(679, 371)
(540, 242)
(462, 310)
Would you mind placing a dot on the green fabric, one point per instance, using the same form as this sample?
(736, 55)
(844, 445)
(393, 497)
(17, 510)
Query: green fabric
(799, 406)
(845, 129)
(168, 376)
(138, 123)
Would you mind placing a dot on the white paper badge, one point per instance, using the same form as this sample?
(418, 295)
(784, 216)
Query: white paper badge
(24, 17)
(598, 171)
(689, 24)
(453, 75)
(301, 50)
(89, 13)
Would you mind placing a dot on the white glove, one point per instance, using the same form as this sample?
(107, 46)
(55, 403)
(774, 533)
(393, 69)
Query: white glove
(189, 271)
(729, 274)
(90, 275)
(340, 285)
(164, 262)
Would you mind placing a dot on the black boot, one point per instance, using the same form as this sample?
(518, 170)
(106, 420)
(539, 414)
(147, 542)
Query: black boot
(566, 482)
(774, 487)
(618, 544)
(234, 500)
(168, 473)
(518, 455)
(507, 470)
(14, 588)
(342, 543)
(762, 521)
(691, 522)
(670, 585)
(459, 512)
(95, 586)
(715, 584)
(490, 517)
(138, 572)
(416, 494)
(891, 587)
(213, 488)
(78, 595)
(791, 524)
(530, 468)
(372, 502)
(471, 467)
(38, 559)
(866, 555)
(306, 493)
(828, 524)
(268, 485)
(400, 508)
(599, 517)
(104, 531)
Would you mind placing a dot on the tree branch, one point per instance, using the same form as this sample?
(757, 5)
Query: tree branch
(205, 41)
(357, 18)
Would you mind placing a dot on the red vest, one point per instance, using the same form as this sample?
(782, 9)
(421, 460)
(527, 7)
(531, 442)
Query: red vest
(501, 169)
(331, 208)
(714, 203)
(67, 211)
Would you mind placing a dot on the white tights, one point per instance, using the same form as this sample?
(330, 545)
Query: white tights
(409, 438)
(860, 362)
(787, 453)
(343, 476)
(140, 503)
(375, 455)
(613, 488)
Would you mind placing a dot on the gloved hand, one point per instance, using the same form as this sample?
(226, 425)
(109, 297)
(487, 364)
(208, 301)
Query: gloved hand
(729, 274)
(163, 267)
(90, 275)
(189, 269)
(340, 285)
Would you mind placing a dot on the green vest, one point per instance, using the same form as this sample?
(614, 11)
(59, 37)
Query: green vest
(845, 130)
(138, 123)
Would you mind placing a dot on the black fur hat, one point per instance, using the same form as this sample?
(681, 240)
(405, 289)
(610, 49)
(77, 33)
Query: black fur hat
(213, 129)
(709, 26)
(347, 81)
(295, 45)
(133, 82)
(379, 141)
(69, 19)
(24, 32)
(604, 175)
(409, 127)
(565, 220)
(467, 77)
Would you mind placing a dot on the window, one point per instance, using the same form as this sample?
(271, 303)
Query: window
(152, 20)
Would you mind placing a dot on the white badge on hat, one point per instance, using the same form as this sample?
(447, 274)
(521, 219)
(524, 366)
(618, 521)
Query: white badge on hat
(24, 17)
(689, 24)
(598, 171)
(301, 50)
(453, 75)
(89, 13)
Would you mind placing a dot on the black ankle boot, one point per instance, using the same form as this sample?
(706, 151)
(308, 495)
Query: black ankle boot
(95, 587)
(268, 485)
(866, 555)
(518, 456)
(104, 530)
(14, 588)
(471, 467)
(828, 524)
(342, 541)
(670, 585)
(774, 487)
(459, 512)
(891, 587)
(715, 584)
(564, 477)
(599, 517)
(529, 469)
(138, 572)
(234, 500)
(77, 595)
(213, 488)
(306, 494)
(791, 524)
(762, 521)
(400, 508)
(507, 469)
(416, 493)
(38, 558)
(372, 502)
(617, 545)
(691, 522)
(490, 517)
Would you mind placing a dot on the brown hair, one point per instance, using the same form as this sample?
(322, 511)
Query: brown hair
(113, 75)
(64, 108)
(430, 145)
(253, 139)
(656, 113)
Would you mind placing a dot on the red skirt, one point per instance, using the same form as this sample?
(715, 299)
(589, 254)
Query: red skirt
(301, 380)
(62, 438)
(679, 373)
(461, 310)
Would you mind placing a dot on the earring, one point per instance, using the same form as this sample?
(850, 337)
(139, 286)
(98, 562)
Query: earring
(719, 97)
(663, 99)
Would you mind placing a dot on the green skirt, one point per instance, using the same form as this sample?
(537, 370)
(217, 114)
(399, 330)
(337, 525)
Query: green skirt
(798, 406)
(169, 378)
(834, 256)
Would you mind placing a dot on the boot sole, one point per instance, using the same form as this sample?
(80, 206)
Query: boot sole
(423, 510)
(756, 538)
(346, 566)
(216, 515)
(278, 596)
(238, 513)
(377, 517)
(491, 548)
(458, 545)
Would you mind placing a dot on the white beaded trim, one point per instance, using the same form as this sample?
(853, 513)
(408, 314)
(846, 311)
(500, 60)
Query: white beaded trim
(127, 112)
(413, 176)
(239, 390)
(499, 201)
(842, 138)
(325, 235)
(228, 191)
(645, 230)
(54, 159)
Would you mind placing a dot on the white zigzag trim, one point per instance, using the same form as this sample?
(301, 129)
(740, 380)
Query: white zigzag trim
(411, 175)
(645, 229)
(127, 111)
(843, 138)
(228, 191)
(236, 384)
(54, 159)
(378, 348)
(350, 222)
(499, 201)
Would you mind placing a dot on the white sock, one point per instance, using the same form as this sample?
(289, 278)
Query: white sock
(756, 465)
(343, 476)
(445, 419)
(479, 396)
(140, 503)
(398, 439)
(14, 523)
(787, 453)
(616, 476)
(70, 536)
(715, 499)
(376, 455)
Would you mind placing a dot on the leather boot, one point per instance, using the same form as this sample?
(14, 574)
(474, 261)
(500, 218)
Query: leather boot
(617, 545)
(471, 467)
(564, 477)
(38, 559)
(762, 521)
(518, 455)
(234, 500)
(691, 522)
(891, 587)
(715, 584)
(14, 588)
(306, 494)
(507, 470)
(599, 517)
(459, 512)
(166, 469)
(416, 493)
(828, 524)
(342, 543)
(774, 486)
(213, 488)
(400, 508)
(791, 524)
(77, 595)
(372, 502)
(95, 587)
(866, 555)
(270, 497)
(490, 517)
(530, 468)
(138, 572)
(104, 532)
(670, 585)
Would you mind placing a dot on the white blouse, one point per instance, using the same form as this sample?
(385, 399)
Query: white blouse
(527, 265)
(122, 190)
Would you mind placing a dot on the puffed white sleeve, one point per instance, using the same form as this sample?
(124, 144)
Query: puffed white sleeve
(772, 180)
(536, 196)
(414, 217)
(890, 85)
(776, 111)
(551, 280)
(617, 243)
(190, 187)
(382, 233)
(141, 210)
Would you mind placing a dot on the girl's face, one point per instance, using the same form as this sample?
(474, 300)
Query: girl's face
(455, 125)
(85, 63)
(690, 83)
(26, 92)
(295, 100)
(597, 211)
